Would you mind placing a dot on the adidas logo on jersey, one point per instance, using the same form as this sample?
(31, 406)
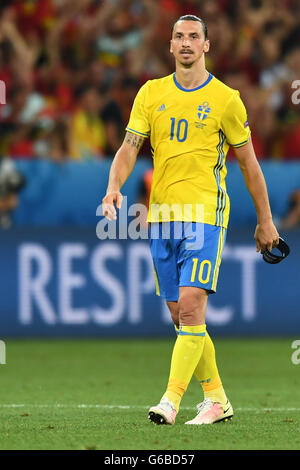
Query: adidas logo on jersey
(161, 108)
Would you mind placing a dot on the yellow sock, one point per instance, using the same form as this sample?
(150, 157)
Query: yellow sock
(217, 394)
(207, 373)
(186, 355)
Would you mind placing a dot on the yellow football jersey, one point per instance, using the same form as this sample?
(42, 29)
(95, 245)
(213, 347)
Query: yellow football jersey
(190, 132)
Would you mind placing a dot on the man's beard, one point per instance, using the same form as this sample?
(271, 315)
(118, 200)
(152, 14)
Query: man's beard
(187, 65)
(191, 61)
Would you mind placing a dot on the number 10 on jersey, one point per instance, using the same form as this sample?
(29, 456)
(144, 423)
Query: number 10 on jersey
(179, 129)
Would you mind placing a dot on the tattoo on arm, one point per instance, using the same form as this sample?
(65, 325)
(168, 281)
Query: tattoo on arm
(134, 140)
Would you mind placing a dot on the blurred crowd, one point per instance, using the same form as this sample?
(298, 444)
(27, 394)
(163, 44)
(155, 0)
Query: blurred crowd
(73, 67)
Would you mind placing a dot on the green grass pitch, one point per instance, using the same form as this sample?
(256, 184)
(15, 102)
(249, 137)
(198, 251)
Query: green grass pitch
(94, 394)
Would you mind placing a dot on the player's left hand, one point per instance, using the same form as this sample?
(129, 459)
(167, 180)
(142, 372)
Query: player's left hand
(266, 236)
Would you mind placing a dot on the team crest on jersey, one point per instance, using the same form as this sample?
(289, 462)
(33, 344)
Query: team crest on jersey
(203, 111)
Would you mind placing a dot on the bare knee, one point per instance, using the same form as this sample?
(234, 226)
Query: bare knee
(192, 306)
(174, 311)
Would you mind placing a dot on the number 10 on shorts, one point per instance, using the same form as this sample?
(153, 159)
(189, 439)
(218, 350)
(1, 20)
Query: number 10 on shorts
(205, 267)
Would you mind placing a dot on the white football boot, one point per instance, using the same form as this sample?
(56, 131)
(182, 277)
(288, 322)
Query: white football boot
(212, 412)
(163, 413)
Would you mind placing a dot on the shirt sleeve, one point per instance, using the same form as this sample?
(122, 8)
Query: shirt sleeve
(234, 122)
(139, 119)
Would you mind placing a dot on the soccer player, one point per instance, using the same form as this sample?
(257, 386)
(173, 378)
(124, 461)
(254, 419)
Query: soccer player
(192, 118)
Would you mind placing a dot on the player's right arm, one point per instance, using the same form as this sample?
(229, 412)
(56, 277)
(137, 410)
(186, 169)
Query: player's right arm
(120, 170)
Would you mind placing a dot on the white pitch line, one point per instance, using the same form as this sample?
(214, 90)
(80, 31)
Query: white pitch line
(128, 407)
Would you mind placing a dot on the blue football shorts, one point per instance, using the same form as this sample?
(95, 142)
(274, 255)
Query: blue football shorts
(185, 254)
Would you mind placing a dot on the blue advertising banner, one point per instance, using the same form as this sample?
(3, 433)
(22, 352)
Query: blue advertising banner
(64, 282)
(48, 184)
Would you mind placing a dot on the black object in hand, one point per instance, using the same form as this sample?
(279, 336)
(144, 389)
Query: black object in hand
(272, 258)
